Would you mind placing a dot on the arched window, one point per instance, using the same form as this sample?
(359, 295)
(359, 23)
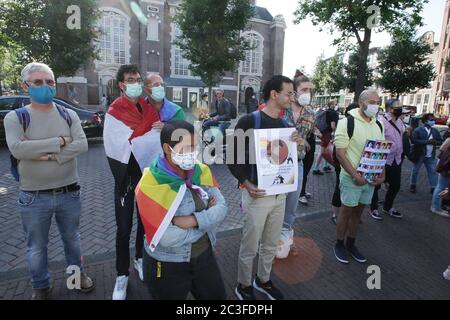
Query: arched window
(254, 57)
(114, 38)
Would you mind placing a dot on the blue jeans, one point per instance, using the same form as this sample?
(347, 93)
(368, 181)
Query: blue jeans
(292, 199)
(430, 164)
(37, 211)
(443, 183)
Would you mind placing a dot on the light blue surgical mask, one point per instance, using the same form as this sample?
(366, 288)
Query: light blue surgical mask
(431, 123)
(158, 93)
(133, 90)
(42, 94)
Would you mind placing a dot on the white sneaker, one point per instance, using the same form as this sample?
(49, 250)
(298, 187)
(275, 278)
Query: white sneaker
(440, 212)
(120, 289)
(447, 274)
(303, 200)
(308, 195)
(138, 267)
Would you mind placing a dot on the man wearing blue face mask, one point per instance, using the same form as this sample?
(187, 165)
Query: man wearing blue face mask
(156, 96)
(127, 135)
(425, 139)
(46, 139)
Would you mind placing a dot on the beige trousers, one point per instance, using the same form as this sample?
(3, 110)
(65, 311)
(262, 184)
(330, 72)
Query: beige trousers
(261, 234)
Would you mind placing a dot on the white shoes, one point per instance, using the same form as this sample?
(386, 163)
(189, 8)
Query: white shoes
(447, 274)
(120, 289)
(138, 267)
(440, 212)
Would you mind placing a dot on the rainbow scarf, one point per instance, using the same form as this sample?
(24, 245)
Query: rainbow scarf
(160, 192)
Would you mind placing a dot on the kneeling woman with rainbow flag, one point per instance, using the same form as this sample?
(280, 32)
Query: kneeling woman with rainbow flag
(180, 207)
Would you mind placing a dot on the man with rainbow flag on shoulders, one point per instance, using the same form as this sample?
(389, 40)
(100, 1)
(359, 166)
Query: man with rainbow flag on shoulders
(180, 205)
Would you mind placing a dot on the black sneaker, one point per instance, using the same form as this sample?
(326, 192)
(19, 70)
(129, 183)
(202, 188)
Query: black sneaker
(244, 293)
(268, 289)
(376, 214)
(340, 252)
(354, 252)
(393, 213)
(412, 189)
(318, 173)
(42, 294)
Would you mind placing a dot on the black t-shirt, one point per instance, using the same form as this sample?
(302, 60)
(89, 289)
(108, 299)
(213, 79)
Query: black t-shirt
(332, 116)
(243, 172)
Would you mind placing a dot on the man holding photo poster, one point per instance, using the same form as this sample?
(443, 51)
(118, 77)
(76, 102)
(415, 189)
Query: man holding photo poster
(264, 213)
(356, 192)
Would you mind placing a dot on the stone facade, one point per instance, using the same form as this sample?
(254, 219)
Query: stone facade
(147, 41)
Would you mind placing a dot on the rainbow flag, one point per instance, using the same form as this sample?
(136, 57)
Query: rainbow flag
(160, 192)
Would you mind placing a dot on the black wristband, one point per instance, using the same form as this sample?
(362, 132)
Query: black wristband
(64, 140)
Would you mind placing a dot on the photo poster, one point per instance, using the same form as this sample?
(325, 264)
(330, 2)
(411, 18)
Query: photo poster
(276, 160)
(373, 159)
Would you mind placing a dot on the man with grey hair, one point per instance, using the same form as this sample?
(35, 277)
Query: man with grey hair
(45, 139)
(351, 137)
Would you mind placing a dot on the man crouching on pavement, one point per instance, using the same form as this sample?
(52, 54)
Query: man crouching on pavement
(46, 139)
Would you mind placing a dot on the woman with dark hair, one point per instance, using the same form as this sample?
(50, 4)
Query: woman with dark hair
(181, 207)
(303, 118)
(336, 201)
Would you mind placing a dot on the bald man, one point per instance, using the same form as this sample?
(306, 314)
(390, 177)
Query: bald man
(356, 192)
(156, 97)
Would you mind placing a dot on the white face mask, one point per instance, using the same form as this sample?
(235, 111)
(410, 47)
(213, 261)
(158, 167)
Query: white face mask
(304, 99)
(372, 110)
(185, 161)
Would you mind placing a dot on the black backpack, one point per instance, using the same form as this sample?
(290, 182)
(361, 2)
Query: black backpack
(350, 131)
(24, 120)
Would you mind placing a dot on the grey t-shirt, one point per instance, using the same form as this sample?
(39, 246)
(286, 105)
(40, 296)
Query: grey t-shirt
(42, 138)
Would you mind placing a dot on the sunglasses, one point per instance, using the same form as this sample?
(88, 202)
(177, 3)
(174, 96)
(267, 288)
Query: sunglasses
(40, 82)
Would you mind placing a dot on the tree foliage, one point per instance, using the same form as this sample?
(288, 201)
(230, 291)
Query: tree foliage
(211, 36)
(329, 74)
(404, 66)
(37, 30)
(357, 19)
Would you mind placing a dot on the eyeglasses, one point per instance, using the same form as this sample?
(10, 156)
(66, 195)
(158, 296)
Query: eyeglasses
(133, 81)
(290, 94)
(40, 82)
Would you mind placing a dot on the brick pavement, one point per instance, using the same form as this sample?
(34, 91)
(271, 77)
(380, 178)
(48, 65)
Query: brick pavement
(412, 254)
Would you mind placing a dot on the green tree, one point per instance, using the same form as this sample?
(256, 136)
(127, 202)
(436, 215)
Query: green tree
(211, 36)
(351, 72)
(329, 74)
(39, 30)
(404, 66)
(350, 19)
(335, 80)
(319, 74)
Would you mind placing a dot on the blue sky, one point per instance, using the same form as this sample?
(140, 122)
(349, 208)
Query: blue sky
(304, 43)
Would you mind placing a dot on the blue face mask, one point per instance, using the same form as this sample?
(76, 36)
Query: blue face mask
(158, 93)
(431, 123)
(43, 94)
(133, 91)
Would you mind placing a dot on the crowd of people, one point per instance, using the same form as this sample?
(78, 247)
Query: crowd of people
(155, 176)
